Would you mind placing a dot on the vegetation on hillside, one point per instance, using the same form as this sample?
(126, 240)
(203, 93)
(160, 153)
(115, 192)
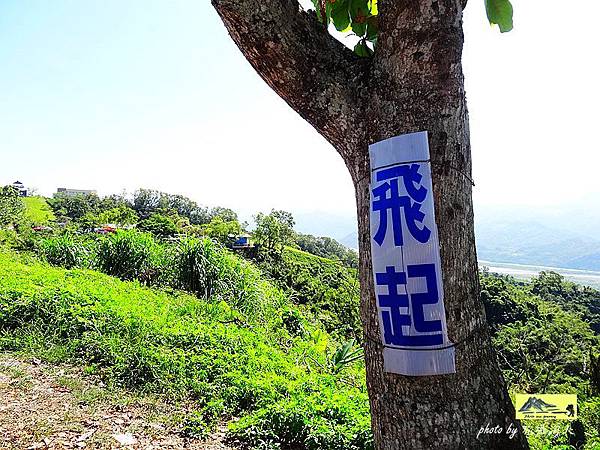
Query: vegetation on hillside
(12, 208)
(37, 211)
(329, 248)
(543, 347)
(327, 287)
(234, 353)
(269, 344)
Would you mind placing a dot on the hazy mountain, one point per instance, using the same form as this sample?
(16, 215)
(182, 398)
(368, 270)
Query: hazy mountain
(568, 237)
(337, 226)
(535, 243)
(350, 240)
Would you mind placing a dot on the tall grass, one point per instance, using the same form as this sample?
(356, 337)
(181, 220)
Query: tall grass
(199, 267)
(205, 268)
(63, 251)
(131, 255)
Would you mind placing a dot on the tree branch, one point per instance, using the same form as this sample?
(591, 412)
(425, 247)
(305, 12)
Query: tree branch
(315, 74)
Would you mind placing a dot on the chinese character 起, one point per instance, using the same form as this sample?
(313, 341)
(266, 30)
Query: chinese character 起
(394, 319)
(395, 203)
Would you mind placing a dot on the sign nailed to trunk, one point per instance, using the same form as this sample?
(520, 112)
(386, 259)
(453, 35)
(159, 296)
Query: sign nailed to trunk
(406, 259)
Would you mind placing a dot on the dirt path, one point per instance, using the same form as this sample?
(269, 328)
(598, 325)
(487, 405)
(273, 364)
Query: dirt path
(43, 406)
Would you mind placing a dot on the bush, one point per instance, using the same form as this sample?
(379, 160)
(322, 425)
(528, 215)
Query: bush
(330, 290)
(63, 251)
(205, 268)
(131, 255)
(159, 225)
(199, 267)
(8, 238)
(321, 421)
(12, 208)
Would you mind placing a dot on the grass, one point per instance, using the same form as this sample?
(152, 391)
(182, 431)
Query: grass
(83, 392)
(38, 211)
(229, 359)
(327, 288)
(19, 378)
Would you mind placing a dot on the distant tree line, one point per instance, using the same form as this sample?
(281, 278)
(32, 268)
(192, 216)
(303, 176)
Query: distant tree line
(328, 248)
(160, 213)
(167, 215)
(275, 230)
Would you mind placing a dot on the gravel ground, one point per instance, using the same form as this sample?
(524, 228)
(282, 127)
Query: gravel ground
(45, 406)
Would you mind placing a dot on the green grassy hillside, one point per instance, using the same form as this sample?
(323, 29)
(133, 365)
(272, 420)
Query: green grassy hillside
(260, 345)
(37, 210)
(243, 360)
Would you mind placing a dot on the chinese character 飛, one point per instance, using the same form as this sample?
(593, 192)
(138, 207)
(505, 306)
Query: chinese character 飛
(387, 198)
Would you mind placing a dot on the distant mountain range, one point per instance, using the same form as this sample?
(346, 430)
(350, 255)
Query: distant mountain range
(536, 243)
(555, 238)
(566, 237)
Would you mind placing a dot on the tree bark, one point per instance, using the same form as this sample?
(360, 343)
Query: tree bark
(413, 83)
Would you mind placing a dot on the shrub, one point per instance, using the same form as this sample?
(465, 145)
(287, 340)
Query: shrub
(131, 255)
(323, 420)
(199, 267)
(326, 287)
(205, 268)
(159, 225)
(12, 208)
(63, 251)
(8, 238)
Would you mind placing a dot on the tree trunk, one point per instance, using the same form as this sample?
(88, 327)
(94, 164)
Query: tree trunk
(413, 83)
(419, 86)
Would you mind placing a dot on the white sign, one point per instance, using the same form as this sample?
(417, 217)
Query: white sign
(406, 259)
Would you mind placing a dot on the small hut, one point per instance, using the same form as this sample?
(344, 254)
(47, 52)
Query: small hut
(242, 241)
(23, 191)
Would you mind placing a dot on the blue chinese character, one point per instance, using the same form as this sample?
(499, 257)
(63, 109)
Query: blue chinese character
(393, 320)
(394, 202)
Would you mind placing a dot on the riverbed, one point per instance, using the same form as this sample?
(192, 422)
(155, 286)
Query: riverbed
(526, 272)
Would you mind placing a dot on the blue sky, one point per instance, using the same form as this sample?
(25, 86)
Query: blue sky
(114, 95)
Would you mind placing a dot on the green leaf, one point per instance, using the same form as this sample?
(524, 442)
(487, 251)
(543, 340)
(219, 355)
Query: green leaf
(372, 28)
(359, 12)
(362, 49)
(359, 28)
(500, 12)
(373, 7)
(328, 6)
(317, 6)
(328, 10)
(340, 15)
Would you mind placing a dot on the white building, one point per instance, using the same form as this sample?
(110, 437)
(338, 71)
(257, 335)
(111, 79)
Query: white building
(74, 192)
